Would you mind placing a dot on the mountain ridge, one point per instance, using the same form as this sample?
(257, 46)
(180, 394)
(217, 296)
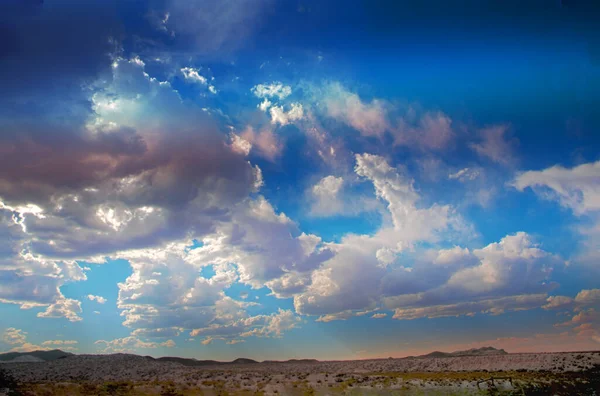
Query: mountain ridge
(45, 356)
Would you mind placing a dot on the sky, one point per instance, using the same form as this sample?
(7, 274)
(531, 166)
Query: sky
(299, 179)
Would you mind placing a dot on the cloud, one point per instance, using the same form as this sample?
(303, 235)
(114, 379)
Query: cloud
(282, 117)
(576, 188)
(267, 326)
(369, 118)
(492, 306)
(59, 342)
(264, 142)
(588, 297)
(192, 75)
(265, 104)
(274, 90)
(418, 130)
(465, 174)
(495, 145)
(14, 336)
(157, 333)
(98, 299)
(325, 195)
(111, 181)
(17, 340)
(130, 344)
(353, 278)
(63, 308)
(364, 273)
(379, 316)
(429, 131)
(256, 246)
(584, 298)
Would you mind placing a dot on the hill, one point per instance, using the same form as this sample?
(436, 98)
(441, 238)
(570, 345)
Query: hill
(194, 362)
(484, 351)
(45, 356)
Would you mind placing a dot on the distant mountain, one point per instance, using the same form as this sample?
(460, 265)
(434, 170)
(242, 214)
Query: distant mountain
(188, 362)
(40, 356)
(293, 361)
(243, 361)
(484, 351)
(194, 362)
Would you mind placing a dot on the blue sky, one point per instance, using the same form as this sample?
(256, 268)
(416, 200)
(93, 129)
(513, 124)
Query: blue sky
(299, 179)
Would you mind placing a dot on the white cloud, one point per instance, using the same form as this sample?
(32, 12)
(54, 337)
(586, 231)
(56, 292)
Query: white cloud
(465, 174)
(352, 278)
(14, 336)
(130, 344)
(59, 342)
(192, 75)
(576, 188)
(491, 306)
(64, 308)
(379, 316)
(325, 195)
(264, 105)
(17, 339)
(98, 299)
(274, 90)
(282, 117)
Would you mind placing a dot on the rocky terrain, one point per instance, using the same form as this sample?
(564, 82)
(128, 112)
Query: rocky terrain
(486, 371)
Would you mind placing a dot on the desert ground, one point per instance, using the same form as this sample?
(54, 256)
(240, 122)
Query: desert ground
(124, 374)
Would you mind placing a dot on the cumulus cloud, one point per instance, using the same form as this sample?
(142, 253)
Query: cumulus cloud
(116, 183)
(14, 336)
(353, 278)
(17, 341)
(366, 272)
(63, 308)
(191, 74)
(282, 117)
(256, 246)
